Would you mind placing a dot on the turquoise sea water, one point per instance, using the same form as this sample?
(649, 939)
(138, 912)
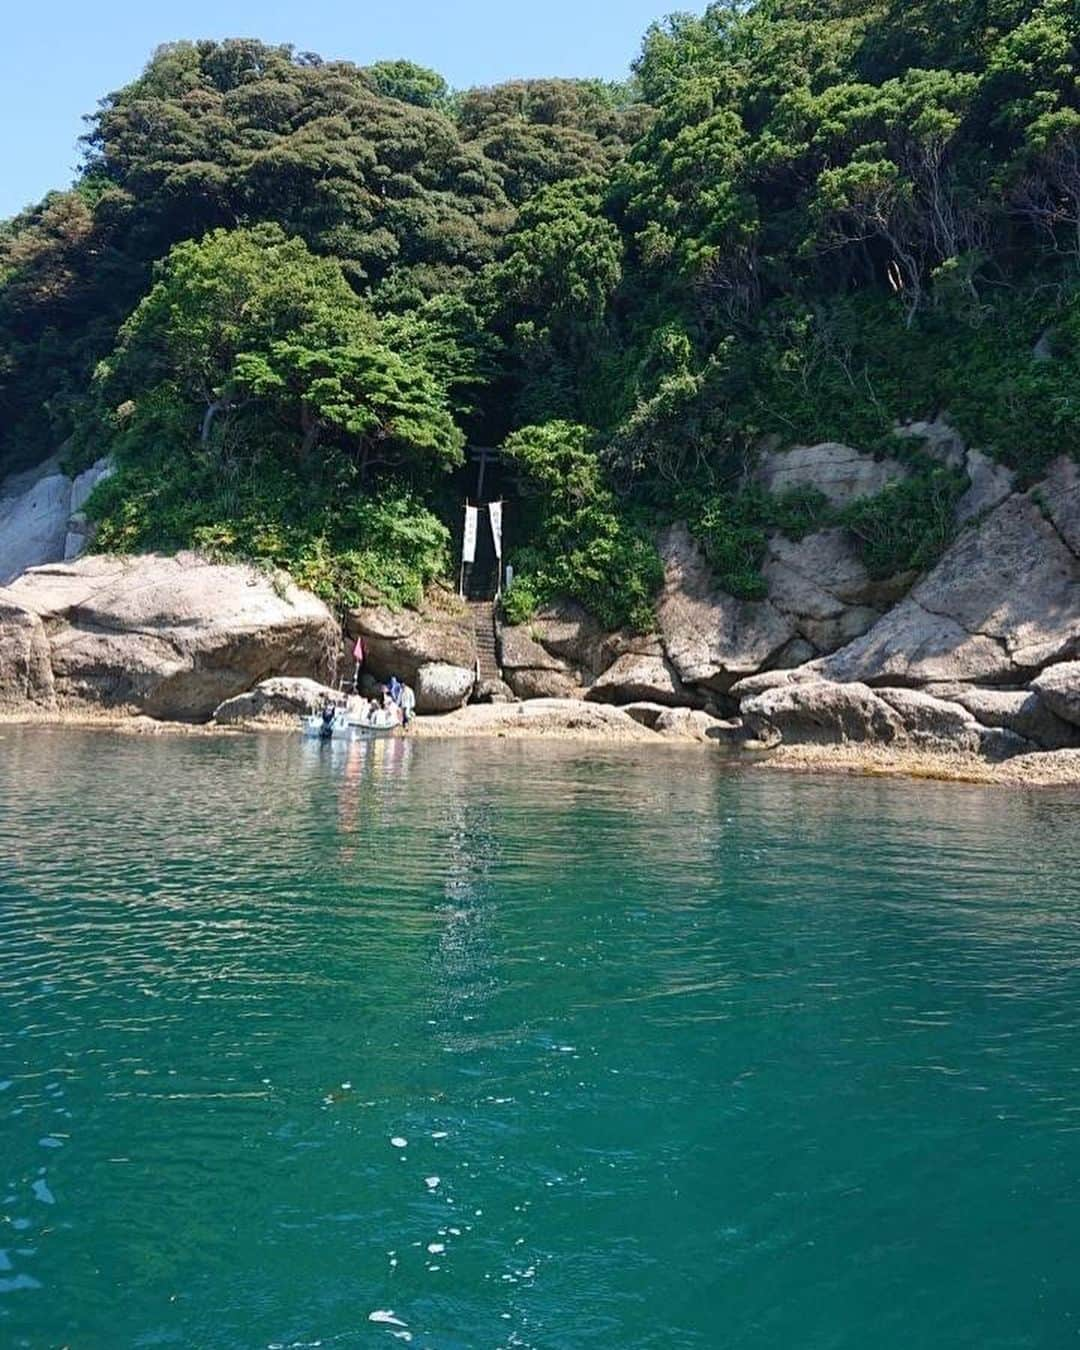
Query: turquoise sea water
(530, 1045)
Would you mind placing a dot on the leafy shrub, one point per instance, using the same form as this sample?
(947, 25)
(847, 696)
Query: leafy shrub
(733, 529)
(908, 525)
(347, 547)
(583, 543)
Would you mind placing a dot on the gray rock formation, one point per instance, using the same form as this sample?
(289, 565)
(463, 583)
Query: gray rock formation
(1003, 602)
(817, 712)
(838, 471)
(441, 687)
(281, 699)
(520, 650)
(636, 679)
(688, 724)
(41, 516)
(1059, 689)
(26, 678)
(494, 691)
(572, 637)
(932, 722)
(991, 484)
(542, 683)
(1021, 711)
(172, 637)
(400, 642)
(711, 638)
(1059, 496)
(822, 585)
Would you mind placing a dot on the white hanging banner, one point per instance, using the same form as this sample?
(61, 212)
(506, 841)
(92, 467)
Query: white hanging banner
(495, 511)
(468, 547)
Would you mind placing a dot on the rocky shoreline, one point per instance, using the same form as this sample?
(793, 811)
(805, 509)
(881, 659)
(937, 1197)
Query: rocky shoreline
(570, 721)
(969, 671)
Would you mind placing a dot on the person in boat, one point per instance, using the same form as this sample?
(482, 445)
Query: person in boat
(395, 689)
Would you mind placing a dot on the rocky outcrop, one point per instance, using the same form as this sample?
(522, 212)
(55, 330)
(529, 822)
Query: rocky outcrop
(26, 678)
(41, 516)
(635, 678)
(817, 712)
(172, 637)
(1059, 497)
(1003, 602)
(839, 472)
(570, 637)
(822, 585)
(400, 642)
(1021, 711)
(494, 691)
(442, 687)
(688, 724)
(1059, 689)
(282, 699)
(711, 638)
(932, 722)
(433, 649)
(542, 683)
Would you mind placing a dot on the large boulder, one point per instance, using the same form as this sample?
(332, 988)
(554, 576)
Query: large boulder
(542, 683)
(822, 584)
(26, 678)
(711, 638)
(281, 699)
(1059, 689)
(172, 637)
(1003, 602)
(442, 687)
(689, 724)
(817, 712)
(932, 722)
(643, 679)
(400, 642)
(519, 649)
(494, 691)
(571, 636)
(838, 471)
(41, 515)
(1021, 711)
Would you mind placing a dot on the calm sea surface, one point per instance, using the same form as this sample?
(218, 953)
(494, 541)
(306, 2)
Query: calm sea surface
(517, 1044)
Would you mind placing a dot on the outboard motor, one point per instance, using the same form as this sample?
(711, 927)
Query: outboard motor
(329, 712)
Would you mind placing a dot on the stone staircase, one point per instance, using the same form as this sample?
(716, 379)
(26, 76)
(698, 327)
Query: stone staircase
(483, 617)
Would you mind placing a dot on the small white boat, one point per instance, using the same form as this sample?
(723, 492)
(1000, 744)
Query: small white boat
(345, 727)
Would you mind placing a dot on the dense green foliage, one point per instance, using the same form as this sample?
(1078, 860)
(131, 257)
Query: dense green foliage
(285, 292)
(587, 547)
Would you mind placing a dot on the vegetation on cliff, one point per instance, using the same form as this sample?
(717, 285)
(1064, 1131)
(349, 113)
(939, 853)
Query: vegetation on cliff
(285, 292)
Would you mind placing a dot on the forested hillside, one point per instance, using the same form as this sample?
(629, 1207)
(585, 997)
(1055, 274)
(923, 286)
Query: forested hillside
(284, 293)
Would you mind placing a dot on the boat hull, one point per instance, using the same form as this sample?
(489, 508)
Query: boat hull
(342, 729)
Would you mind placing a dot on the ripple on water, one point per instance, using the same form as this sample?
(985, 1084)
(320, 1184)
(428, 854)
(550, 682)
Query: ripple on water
(529, 1045)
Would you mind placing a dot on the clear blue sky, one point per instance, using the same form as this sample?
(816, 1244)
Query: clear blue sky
(61, 57)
